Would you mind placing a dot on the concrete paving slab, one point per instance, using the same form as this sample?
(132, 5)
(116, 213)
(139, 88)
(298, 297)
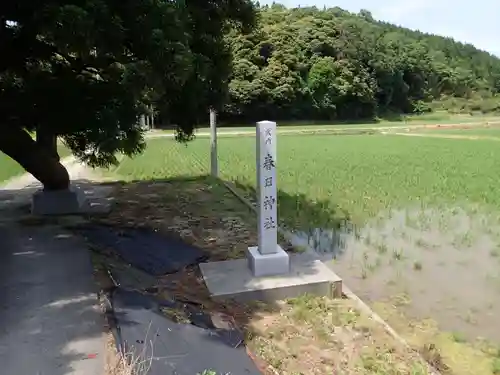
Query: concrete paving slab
(234, 279)
(50, 322)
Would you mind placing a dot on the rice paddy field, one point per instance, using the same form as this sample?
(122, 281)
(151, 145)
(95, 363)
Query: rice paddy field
(411, 224)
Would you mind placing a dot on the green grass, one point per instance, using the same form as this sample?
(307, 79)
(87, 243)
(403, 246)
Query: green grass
(358, 176)
(8, 168)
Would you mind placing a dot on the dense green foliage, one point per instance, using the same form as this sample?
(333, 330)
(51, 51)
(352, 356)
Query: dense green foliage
(307, 63)
(86, 70)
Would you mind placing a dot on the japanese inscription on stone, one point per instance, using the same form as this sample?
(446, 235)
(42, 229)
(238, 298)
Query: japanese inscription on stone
(267, 190)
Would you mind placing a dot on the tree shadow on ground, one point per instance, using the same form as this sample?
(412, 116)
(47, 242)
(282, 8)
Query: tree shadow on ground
(49, 304)
(319, 225)
(49, 298)
(15, 204)
(205, 213)
(199, 209)
(298, 211)
(202, 213)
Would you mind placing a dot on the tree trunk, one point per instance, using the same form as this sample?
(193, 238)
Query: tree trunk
(47, 141)
(39, 159)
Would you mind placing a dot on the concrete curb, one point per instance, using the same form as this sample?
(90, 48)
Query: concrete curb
(345, 290)
(445, 136)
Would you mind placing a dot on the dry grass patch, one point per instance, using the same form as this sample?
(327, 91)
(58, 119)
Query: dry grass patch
(311, 335)
(117, 364)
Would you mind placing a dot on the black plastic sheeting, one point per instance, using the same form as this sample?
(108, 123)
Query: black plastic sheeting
(170, 348)
(129, 277)
(149, 251)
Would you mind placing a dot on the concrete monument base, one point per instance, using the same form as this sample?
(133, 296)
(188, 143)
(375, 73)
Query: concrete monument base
(60, 202)
(268, 264)
(234, 279)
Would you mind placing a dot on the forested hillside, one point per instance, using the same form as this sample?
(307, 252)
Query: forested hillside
(307, 63)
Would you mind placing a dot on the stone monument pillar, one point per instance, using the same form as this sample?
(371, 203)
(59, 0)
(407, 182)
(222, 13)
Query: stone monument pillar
(267, 258)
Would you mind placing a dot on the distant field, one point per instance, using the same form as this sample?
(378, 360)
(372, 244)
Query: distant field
(360, 175)
(493, 132)
(426, 213)
(433, 118)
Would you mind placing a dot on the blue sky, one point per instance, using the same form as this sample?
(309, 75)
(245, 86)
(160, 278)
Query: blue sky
(476, 22)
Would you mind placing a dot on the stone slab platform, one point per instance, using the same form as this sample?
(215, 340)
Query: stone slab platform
(233, 279)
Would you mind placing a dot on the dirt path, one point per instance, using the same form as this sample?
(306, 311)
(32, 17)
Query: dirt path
(15, 194)
(222, 132)
(446, 136)
(248, 133)
(76, 170)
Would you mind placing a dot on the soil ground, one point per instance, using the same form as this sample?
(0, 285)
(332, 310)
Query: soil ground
(308, 335)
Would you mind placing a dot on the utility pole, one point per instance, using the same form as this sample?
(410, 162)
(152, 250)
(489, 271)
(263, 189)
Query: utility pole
(142, 121)
(152, 123)
(214, 169)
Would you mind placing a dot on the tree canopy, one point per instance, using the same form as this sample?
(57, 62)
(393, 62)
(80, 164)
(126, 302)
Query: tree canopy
(85, 70)
(310, 63)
